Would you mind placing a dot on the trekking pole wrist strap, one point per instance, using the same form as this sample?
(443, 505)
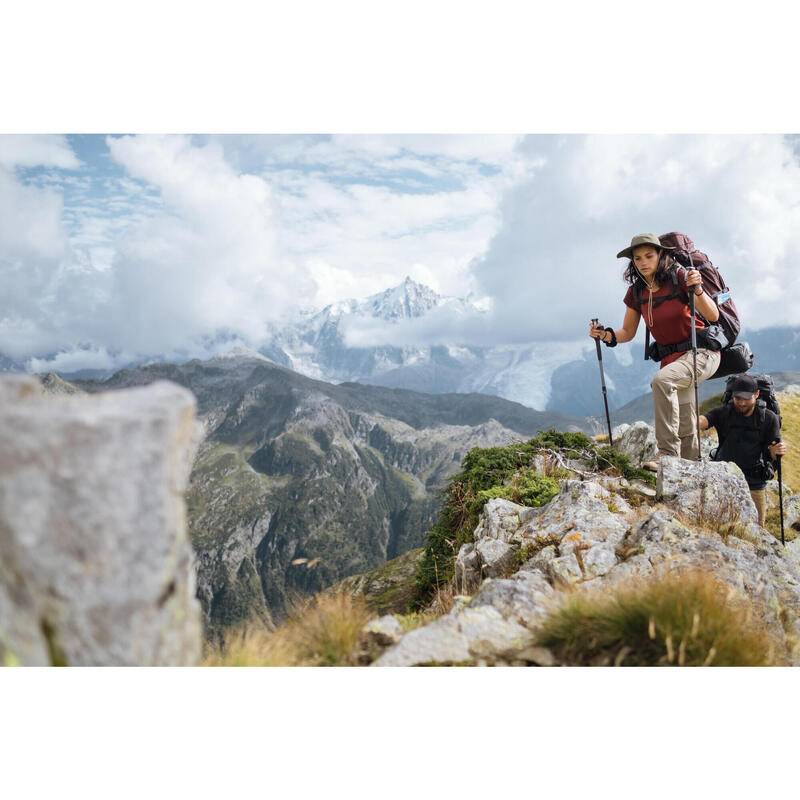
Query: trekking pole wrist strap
(613, 342)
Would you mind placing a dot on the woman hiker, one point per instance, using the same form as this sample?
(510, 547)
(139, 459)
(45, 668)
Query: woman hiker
(666, 315)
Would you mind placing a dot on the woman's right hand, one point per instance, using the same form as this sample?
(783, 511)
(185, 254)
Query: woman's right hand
(598, 332)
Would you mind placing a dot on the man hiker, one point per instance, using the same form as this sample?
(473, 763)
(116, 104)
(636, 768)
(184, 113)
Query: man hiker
(749, 436)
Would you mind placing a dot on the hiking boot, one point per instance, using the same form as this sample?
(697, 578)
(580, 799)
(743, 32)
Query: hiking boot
(652, 466)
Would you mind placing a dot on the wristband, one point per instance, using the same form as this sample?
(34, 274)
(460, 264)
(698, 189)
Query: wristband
(613, 342)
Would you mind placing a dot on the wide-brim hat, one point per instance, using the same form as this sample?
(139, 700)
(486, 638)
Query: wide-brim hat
(639, 239)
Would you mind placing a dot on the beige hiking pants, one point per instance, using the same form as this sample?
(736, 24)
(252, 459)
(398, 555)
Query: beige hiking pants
(760, 499)
(673, 398)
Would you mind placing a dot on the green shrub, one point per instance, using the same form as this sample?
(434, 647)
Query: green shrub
(488, 472)
(677, 620)
(607, 457)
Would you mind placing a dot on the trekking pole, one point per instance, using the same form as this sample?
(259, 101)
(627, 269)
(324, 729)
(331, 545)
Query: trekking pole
(780, 497)
(694, 358)
(595, 323)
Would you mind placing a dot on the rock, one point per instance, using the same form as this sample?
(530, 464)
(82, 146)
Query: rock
(643, 489)
(384, 631)
(580, 508)
(499, 519)
(618, 430)
(565, 569)
(772, 486)
(637, 442)
(95, 562)
(467, 571)
(53, 385)
(466, 636)
(706, 490)
(521, 598)
(496, 557)
(598, 560)
(540, 656)
(791, 512)
(541, 560)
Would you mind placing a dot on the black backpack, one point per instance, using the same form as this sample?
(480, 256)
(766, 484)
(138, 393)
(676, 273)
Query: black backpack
(766, 400)
(766, 394)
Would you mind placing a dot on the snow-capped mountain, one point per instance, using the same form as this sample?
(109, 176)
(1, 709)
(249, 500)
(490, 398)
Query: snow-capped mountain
(314, 345)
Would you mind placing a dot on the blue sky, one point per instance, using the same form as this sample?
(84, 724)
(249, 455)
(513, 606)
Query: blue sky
(125, 246)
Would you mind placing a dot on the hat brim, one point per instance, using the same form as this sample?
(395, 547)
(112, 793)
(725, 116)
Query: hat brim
(628, 251)
(745, 395)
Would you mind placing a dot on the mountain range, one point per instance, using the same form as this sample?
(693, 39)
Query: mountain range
(299, 483)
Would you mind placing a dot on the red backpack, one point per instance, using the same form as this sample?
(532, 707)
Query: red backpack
(688, 256)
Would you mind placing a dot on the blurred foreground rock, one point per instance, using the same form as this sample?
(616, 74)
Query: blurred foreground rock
(95, 562)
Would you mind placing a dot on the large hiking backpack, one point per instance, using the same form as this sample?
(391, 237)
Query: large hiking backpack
(688, 256)
(766, 393)
(720, 335)
(766, 400)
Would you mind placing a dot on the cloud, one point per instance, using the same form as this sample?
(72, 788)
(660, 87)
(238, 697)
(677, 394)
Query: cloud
(209, 260)
(46, 150)
(35, 253)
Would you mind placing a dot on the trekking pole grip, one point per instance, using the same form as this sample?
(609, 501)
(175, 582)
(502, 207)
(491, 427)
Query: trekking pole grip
(595, 324)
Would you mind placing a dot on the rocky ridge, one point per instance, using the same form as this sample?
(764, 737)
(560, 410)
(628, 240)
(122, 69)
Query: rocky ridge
(601, 532)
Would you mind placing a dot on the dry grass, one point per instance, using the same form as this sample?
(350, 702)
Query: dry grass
(790, 433)
(323, 631)
(678, 620)
(721, 515)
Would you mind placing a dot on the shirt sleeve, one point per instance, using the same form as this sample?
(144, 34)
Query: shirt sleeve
(714, 417)
(629, 299)
(772, 432)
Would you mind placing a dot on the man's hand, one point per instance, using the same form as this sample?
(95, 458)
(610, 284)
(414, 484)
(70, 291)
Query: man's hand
(777, 449)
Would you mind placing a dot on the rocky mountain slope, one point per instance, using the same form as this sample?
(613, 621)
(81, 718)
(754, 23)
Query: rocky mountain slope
(298, 483)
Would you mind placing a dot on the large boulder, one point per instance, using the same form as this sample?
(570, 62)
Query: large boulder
(95, 563)
(637, 442)
(464, 636)
(706, 490)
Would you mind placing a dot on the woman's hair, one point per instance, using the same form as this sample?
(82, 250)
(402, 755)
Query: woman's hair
(665, 263)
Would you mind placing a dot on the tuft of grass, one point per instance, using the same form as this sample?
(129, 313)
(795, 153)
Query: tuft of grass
(772, 522)
(677, 620)
(413, 620)
(721, 515)
(322, 631)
